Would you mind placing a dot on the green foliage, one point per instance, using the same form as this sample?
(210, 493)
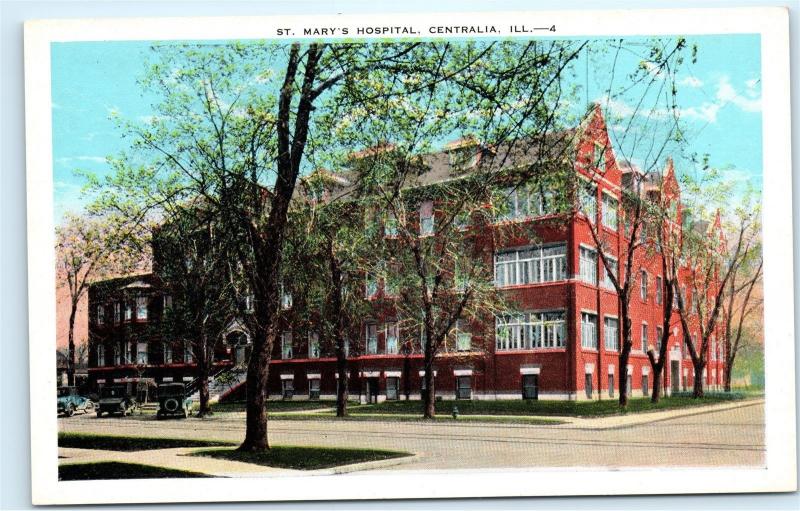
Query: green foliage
(303, 458)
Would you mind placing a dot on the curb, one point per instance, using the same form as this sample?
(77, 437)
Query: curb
(367, 465)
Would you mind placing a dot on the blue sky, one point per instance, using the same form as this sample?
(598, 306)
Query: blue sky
(719, 98)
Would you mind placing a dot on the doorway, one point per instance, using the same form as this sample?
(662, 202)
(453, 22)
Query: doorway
(675, 378)
(372, 390)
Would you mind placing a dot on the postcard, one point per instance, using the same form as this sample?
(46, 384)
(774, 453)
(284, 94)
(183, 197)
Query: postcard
(410, 256)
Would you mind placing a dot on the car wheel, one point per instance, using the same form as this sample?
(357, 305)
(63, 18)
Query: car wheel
(70, 411)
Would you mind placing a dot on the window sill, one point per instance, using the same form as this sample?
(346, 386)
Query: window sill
(533, 284)
(530, 350)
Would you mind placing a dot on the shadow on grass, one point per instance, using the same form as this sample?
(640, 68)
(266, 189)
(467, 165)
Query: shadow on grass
(119, 470)
(303, 458)
(129, 443)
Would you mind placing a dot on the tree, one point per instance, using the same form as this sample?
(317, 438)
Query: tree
(199, 278)
(712, 261)
(87, 249)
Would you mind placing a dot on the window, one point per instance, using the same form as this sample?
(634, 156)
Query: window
(128, 312)
(599, 157)
(531, 265)
(392, 388)
(610, 385)
(610, 206)
(462, 158)
(117, 312)
(128, 356)
(659, 290)
(391, 338)
(611, 333)
(101, 314)
(645, 385)
(166, 349)
(371, 331)
(589, 330)
(371, 286)
(313, 388)
(188, 356)
(587, 385)
(167, 302)
(644, 337)
(515, 204)
(286, 345)
(588, 200)
(530, 386)
(287, 388)
(313, 345)
(463, 387)
(643, 285)
(530, 330)
(390, 225)
(141, 307)
(141, 353)
(286, 300)
(588, 265)
(116, 355)
(612, 262)
(525, 202)
(463, 337)
(659, 335)
(426, 218)
(101, 355)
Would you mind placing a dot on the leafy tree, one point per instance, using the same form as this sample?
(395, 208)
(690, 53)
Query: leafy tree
(88, 249)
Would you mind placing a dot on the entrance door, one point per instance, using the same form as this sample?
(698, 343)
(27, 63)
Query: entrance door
(530, 386)
(675, 377)
(372, 390)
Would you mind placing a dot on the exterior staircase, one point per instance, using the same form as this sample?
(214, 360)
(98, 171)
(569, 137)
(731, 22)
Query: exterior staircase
(219, 384)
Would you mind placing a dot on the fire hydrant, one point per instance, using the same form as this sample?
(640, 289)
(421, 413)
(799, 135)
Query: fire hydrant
(455, 412)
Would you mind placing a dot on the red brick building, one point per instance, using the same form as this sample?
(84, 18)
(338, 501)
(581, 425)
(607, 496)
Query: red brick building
(561, 342)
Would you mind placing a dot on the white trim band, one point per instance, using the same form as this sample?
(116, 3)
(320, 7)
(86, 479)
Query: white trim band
(370, 374)
(460, 372)
(588, 368)
(530, 370)
(611, 369)
(313, 376)
(287, 377)
(435, 373)
(393, 374)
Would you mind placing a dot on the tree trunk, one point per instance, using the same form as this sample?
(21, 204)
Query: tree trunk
(727, 377)
(71, 345)
(656, 396)
(429, 395)
(204, 370)
(698, 380)
(257, 391)
(624, 356)
(342, 390)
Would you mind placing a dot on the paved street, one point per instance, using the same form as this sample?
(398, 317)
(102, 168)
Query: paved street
(731, 436)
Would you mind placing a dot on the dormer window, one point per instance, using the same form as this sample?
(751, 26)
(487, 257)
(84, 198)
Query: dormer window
(462, 158)
(599, 157)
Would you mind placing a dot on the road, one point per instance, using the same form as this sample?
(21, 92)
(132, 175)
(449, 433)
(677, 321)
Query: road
(732, 437)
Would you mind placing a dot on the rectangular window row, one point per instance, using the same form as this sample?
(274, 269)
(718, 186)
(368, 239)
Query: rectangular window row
(530, 330)
(531, 265)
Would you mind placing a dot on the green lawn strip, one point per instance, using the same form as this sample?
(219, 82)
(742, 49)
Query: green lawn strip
(118, 470)
(129, 443)
(302, 458)
(595, 408)
(276, 406)
(417, 417)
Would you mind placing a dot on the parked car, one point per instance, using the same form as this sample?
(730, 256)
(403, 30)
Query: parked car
(172, 401)
(70, 402)
(115, 399)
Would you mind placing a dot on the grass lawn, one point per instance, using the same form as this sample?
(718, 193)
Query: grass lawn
(118, 470)
(416, 417)
(275, 406)
(303, 458)
(129, 443)
(546, 407)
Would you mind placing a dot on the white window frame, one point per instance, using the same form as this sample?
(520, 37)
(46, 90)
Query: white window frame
(610, 211)
(392, 337)
(611, 333)
(531, 265)
(606, 280)
(141, 307)
(371, 337)
(589, 330)
(643, 285)
(166, 352)
(313, 345)
(645, 335)
(286, 346)
(101, 315)
(588, 200)
(141, 353)
(463, 337)
(659, 290)
(101, 355)
(530, 330)
(588, 265)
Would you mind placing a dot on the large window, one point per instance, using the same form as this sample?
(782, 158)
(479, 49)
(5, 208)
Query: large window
(391, 338)
(589, 330)
(588, 265)
(392, 388)
(371, 333)
(101, 314)
(644, 337)
(286, 345)
(525, 202)
(188, 355)
(588, 200)
(117, 312)
(659, 290)
(659, 335)
(463, 337)
(128, 311)
(141, 353)
(101, 355)
(313, 345)
(371, 286)
(141, 307)
(167, 352)
(610, 207)
(612, 261)
(611, 333)
(531, 265)
(520, 331)
(643, 285)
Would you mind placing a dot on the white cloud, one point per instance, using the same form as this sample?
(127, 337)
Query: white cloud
(706, 112)
(727, 94)
(70, 159)
(691, 81)
(616, 107)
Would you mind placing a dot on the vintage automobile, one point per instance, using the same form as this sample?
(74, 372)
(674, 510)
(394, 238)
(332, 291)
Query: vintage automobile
(70, 402)
(115, 399)
(172, 401)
